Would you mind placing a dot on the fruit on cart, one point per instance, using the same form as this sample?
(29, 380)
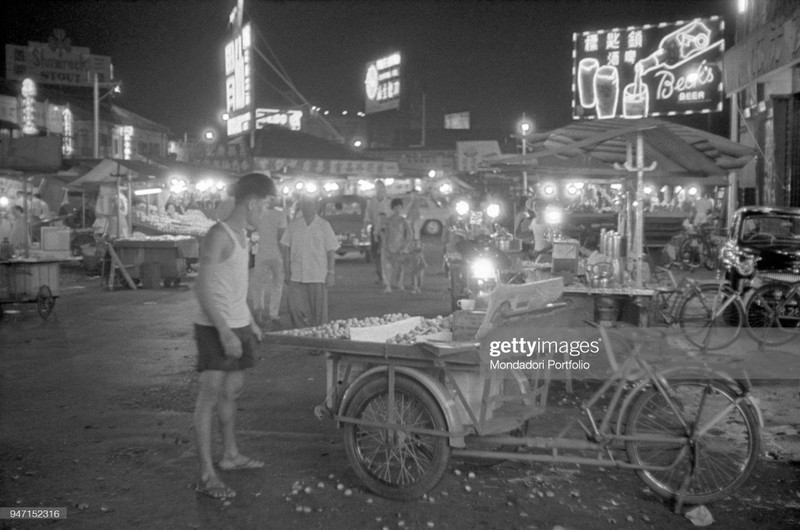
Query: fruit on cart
(429, 326)
(340, 329)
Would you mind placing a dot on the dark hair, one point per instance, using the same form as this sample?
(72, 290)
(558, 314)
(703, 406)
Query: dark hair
(592, 242)
(397, 202)
(253, 185)
(18, 208)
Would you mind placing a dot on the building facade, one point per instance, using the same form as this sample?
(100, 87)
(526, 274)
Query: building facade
(762, 79)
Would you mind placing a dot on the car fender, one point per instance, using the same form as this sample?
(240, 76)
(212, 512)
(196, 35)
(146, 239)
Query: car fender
(446, 402)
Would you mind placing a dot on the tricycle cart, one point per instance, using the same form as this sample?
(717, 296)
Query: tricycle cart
(690, 431)
(29, 281)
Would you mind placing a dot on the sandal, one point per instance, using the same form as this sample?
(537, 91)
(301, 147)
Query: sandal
(241, 462)
(219, 491)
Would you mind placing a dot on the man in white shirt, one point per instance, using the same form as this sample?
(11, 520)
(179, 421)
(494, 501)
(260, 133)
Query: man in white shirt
(309, 248)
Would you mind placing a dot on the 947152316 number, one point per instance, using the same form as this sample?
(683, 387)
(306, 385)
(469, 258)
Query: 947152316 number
(37, 512)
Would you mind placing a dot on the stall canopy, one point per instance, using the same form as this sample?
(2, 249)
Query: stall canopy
(108, 171)
(597, 147)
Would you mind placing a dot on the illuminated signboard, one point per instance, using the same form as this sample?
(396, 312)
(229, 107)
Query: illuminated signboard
(56, 62)
(653, 70)
(382, 84)
(291, 119)
(459, 120)
(238, 89)
(28, 93)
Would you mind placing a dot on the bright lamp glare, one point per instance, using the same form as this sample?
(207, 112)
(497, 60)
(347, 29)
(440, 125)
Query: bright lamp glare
(432, 173)
(549, 190)
(3, 202)
(648, 190)
(552, 216)
(444, 189)
(287, 190)
(147, 191)
(311, 187)
(365, 185)
(692, 191)
(493, 210)
(462, 208)
(483, 269)
(298, 186)
(572, 190)
(330, 186)
(388, 181)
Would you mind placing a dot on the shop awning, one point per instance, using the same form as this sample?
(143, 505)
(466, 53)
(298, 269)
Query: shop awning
(108, 170)
(594, 148)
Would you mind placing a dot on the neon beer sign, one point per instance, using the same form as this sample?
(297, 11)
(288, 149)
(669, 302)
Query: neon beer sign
(653, 70)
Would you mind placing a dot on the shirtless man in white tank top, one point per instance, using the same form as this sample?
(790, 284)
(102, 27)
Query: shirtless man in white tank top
(225, 331)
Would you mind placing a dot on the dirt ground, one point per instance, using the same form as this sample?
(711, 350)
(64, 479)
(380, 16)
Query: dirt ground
(97, 408)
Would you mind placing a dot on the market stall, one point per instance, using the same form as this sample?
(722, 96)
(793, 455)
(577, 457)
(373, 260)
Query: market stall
(151, 260)
(628, 154)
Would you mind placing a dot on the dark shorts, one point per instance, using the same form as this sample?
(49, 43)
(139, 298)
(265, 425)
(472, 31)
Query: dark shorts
(211, 353)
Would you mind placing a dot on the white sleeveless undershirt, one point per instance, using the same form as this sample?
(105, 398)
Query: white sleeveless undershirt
(227, 282)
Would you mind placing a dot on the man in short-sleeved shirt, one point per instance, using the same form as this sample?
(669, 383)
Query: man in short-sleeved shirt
(309, 254)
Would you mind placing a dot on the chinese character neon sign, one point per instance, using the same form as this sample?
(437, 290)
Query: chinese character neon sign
(382, 84)
(653, 70)
(238, 89)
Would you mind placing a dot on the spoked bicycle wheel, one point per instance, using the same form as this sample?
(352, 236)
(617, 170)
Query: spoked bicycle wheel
(711, 318)
(773, 314)
(720, 446)
(396, 464)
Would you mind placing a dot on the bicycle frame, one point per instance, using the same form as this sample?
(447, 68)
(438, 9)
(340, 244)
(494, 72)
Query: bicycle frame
(602, 438)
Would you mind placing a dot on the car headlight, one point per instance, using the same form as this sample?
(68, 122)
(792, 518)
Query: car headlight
(746, 266)
(484, 269)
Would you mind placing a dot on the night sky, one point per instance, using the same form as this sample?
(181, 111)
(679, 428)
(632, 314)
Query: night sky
(495, 59)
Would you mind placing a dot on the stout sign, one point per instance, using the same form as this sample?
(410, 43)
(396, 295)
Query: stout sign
(653, 70)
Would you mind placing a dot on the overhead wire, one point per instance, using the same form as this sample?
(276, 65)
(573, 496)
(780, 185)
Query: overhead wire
(284, 76)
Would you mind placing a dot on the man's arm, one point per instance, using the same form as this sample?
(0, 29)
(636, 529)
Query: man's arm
(330, 279)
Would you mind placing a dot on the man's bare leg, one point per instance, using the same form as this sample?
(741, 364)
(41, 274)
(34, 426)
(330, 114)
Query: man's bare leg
(226, 412)
(211, 384)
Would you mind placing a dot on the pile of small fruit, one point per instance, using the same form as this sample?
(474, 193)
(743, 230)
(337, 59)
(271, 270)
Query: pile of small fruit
(428, 326)
(340, 329)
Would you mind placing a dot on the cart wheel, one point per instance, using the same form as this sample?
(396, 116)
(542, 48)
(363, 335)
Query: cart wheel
(716, 440)
(45, 302)
(396, 464)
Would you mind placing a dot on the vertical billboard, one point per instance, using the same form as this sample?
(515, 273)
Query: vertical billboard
(666, 69)
(382, 86)
(238, 87)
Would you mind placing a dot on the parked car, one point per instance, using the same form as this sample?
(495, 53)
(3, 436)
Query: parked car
(433, 213)
(345, 213)
(765, 242)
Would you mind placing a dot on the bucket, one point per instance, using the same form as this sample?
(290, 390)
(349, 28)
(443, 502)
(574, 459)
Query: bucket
(606, 310)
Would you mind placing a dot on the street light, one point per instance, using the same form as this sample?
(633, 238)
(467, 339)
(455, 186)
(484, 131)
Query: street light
(115, 88)
(525, 127)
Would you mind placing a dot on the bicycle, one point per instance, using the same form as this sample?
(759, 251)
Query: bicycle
(773, 311)
(700, 248)
(709, 314)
